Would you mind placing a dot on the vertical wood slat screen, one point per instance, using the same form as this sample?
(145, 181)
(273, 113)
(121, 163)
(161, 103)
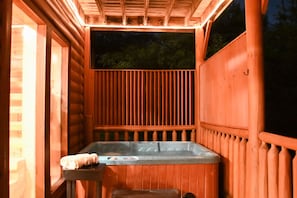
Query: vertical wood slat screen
(144, 97)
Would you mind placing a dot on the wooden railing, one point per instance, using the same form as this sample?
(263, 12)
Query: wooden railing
(144, 105)
(277, 166)
(145, 133)
(231, 144)
(277, 161)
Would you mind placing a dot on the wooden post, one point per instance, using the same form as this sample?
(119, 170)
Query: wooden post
(255, 90)
(5, 36)
(88, 92)
(199, 40)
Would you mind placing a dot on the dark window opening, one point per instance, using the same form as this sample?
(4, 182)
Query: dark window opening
(280, 67)
(142, 50)
(227, 27)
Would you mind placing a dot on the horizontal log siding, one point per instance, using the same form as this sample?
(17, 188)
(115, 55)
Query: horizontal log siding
(76, 99)
(143, 98)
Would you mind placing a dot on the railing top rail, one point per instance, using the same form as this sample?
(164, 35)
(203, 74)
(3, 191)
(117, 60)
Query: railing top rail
(145, 127)
(279, 140)
(144, 70)
(241, 132)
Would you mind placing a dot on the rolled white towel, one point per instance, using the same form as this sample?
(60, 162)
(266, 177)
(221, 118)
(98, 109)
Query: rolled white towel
(76, 161)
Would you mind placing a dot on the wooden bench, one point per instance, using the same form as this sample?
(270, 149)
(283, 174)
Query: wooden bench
(92, 173)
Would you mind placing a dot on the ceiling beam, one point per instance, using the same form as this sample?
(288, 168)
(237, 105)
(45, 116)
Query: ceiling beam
(168, 12)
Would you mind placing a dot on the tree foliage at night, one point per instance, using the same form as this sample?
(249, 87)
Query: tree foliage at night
(227, 27)
(280, 51)
(143, 50)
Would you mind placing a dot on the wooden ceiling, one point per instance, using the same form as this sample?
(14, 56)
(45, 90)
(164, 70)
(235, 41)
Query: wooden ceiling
(148, 13)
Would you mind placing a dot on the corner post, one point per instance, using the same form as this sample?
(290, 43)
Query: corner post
(256, 92)
(199, 46)
(88, 90)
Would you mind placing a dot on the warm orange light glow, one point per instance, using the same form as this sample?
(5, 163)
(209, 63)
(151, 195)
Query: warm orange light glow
(212, 13)
(75, 12)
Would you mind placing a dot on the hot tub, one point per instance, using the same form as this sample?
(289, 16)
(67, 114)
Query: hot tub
(185, 166)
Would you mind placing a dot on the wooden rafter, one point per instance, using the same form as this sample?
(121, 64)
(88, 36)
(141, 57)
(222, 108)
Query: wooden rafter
(194, 7)
(100, 8)
(124, 18)
(158, 13)
(146, 6)
(168, 12)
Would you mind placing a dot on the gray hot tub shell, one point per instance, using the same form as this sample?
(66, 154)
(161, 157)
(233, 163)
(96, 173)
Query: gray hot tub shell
(125, 152)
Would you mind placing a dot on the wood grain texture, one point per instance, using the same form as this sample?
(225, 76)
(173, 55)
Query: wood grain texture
(200, 179)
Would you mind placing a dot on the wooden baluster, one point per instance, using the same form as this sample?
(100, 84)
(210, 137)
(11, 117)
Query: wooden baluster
(263, 173)
(272, 172)
(131, 99)
(242, 167)
(199, 135)
(204, 131)
(126, 135)
(155, 136)
(215, 144)
(284, 174)
(222, 143)
(116, 136)
(184, 135)
(225, 148)
(211, 139)
(236, 193)
(174, 135)
(231, 163)
(106, 137)
(164, 135)
(219, 142)
(145, 136)
(294, 169)
(193, 135)
(136, 135)
(207, 138)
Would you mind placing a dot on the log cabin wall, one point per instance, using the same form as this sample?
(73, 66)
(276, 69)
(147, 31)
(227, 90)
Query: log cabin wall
(224, 114)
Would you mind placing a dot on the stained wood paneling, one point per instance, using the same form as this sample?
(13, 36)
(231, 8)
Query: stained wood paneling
(224, 86)
(200, 179)
(146, 97)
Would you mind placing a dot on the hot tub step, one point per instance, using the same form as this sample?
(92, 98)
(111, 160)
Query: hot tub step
(158, 193)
